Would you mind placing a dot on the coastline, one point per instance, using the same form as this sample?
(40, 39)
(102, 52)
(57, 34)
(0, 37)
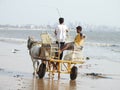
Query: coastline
(16, 67)
(42, 29)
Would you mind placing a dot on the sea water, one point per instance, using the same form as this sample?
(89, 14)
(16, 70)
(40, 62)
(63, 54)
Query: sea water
(98, 44)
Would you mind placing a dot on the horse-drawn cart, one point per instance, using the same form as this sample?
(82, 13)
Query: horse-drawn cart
(64, 67)
(51, 63)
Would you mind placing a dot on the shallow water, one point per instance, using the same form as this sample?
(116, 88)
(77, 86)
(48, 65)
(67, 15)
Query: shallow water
(105, 40)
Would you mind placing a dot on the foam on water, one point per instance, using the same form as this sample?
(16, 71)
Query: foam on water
(12, 40)
(102, 44)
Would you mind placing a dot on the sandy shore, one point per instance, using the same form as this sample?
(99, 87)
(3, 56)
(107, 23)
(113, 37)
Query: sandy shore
(16, 73)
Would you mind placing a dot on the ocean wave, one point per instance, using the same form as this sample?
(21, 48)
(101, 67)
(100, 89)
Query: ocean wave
(102, 44)
(16, 40)
(12, 40)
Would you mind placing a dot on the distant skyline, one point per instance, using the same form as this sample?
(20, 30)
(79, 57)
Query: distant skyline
(41, 12)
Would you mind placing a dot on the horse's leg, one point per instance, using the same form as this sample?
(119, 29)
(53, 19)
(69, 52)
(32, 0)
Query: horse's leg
(34, 66)
(49, 68)
(37, 69)
(34, 73)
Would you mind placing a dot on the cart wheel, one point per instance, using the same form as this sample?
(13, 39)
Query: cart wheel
(73, 73)
(42, 70)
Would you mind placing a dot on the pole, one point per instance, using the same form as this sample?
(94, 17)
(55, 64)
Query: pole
(58, 12)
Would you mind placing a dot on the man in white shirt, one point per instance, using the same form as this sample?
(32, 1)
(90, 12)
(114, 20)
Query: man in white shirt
(60, 33)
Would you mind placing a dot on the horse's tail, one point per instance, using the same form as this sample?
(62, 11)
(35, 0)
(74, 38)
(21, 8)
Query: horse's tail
(39, 51)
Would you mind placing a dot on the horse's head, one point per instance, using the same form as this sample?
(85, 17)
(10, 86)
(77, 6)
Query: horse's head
(30, 41)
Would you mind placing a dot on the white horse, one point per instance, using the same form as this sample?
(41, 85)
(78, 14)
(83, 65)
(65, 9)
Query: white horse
(37, 51)
(34, 51)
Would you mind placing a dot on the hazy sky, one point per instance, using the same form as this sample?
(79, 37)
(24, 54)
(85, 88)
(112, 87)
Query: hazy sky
(96, 12)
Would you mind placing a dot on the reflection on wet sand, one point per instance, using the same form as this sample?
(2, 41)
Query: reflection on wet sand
(52, 84)
(72, 85)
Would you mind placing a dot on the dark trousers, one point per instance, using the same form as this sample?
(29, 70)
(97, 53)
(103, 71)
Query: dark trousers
(61, 44)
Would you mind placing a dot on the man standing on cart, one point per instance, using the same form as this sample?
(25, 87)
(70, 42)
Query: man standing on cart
(60, 33)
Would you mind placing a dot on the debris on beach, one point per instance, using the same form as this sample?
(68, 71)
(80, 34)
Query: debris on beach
(85, 66)
(17, 76)
(15, 50)
(93, 74)
(96, 75)
(87, 58)
(1, 69)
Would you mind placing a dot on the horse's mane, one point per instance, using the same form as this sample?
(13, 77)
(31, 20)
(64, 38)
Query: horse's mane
(30, 42)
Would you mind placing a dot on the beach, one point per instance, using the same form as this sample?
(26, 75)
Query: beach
(16, 73)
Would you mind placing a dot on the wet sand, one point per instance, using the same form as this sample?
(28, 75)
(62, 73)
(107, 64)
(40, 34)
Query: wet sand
(16, 73)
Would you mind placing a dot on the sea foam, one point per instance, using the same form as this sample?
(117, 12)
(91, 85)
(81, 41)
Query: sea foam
(12, 40)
